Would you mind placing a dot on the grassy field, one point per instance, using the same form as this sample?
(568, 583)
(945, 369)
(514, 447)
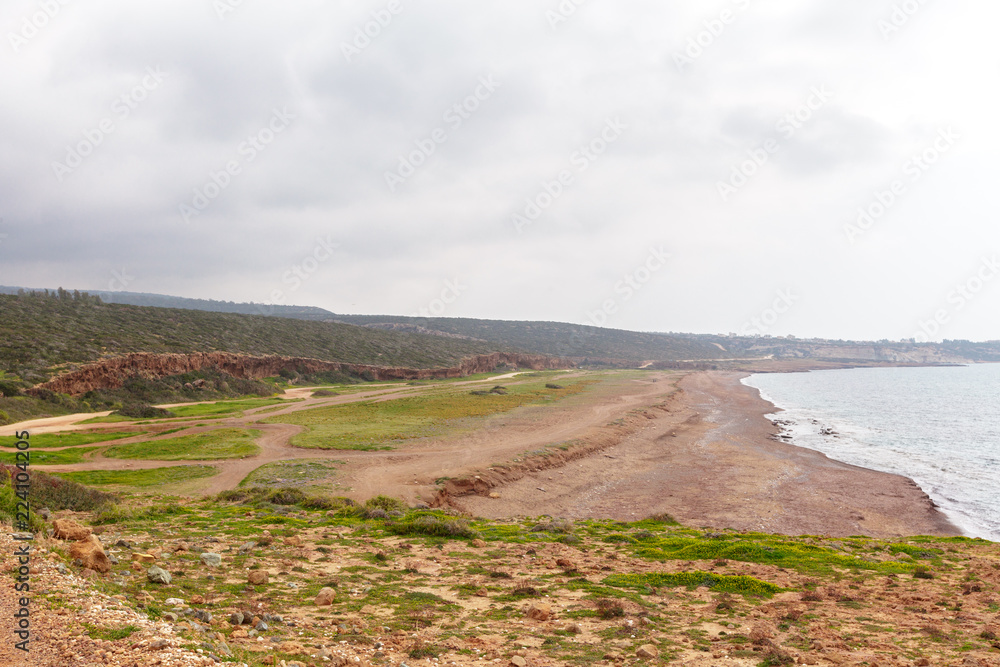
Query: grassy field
(75, 439)
(139, 478)
(229, 443)
(428, 584)
(292, 473)
(378, 425)
(43, 458)
(227, 407)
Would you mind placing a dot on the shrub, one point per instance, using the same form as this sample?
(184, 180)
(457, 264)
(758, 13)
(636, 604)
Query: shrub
(386, 504)
(434, 527)
(59, 494)
(139, 410)
(286, 496)
(608, 608)
(554, 386)
(922, 573)
(324, 393)
(4, 417)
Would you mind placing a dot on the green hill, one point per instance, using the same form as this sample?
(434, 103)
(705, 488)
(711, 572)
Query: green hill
(43, 335)
(557, 338)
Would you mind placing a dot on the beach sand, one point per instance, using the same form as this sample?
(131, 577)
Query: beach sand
(712, 462)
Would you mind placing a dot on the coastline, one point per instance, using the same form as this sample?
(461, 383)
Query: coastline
(711, 460)
(797, 490)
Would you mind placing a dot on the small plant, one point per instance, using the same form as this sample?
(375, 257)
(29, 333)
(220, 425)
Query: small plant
(922, 572)
(608, 608)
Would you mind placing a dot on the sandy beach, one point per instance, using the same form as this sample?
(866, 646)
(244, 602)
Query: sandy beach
(710, 460)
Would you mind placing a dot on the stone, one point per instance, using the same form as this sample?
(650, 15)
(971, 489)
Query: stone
(87, 573)
(293, 541)
(158, 575)
(90, 554)
(143, 558)
(518, 661)
(211, 560)
(66, 529)
(540, 612)
(565, 563)
(236, 618)
(247, 548)
(483, 593)
(647, 652)
(325, 597)
(478, 544)
(258, 578)
(61, 569)
(495, 495)
(574, 628)
(179, 547)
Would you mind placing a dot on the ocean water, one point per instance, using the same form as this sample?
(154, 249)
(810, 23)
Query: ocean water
(937, 426)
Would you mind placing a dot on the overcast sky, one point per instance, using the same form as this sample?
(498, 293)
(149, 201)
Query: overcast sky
(658, 166)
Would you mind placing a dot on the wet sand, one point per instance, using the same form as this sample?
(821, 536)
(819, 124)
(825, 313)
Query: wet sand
(712, 462)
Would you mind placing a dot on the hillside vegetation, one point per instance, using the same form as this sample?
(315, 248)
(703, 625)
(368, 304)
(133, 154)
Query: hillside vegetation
(559, 339)
(43, 335)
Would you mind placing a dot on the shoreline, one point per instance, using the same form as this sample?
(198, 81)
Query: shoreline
(711, 461)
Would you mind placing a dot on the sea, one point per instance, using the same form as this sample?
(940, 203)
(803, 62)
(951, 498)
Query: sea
(939, 426)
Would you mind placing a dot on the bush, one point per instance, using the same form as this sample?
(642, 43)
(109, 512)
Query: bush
(139, 410)
(922, 573)
(324, 393)
(286, 496)
(434, 527)
(59, 494)
(608, 608)
(386, 504)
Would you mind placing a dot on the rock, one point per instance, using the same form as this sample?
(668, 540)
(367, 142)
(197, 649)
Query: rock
(246, 548)
(565, 563)
(518, 661)
(179, 547)
(236, 618)
(159, 644)
(647, 652)
(61, 569)
(158, 575)
(478, 544)
(173, 602)
(211, 560)
(922, 662)
(483, 593)
(87, 573)
(112, 559)
(239, 633)
(197, 599)
(143, 558)
(325, 597)
(45, 513)
(574, 628)
(293, 541)
(170, 616)
(540, 612)
(258, 578)
(65, 529)
(495, 495)
(91, 554)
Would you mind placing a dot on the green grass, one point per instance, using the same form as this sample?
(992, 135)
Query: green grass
(139, 478)
(755, 548)
(110, 634)
(228, 407)
(377, 425)
(742, 585)
(64, 457)
(291, 473)
(75, 439)
(228, 443)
